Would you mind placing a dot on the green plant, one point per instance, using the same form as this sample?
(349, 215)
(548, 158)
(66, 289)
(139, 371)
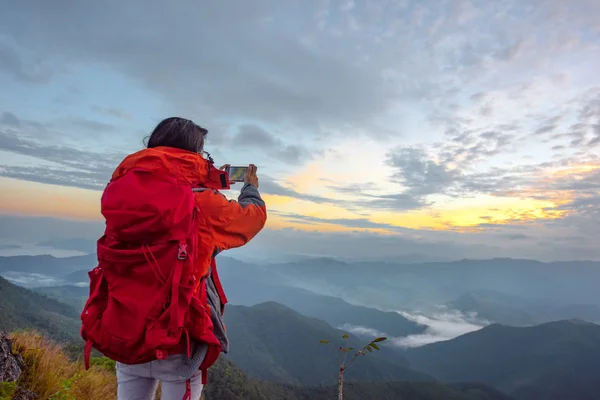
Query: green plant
(7, 390)
(104, 362)
(342, 357)
(63, 392)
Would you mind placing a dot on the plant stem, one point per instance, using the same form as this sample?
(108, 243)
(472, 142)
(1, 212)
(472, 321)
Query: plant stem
(341, 384)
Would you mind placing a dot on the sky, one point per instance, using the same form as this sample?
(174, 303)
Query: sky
(447, 128)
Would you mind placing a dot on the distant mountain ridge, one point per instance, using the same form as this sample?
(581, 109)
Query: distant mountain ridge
(47, 264)
(76, 244)
(384, 286)
(522, 361)
(518, 311)
(249, 285)
(390, 286)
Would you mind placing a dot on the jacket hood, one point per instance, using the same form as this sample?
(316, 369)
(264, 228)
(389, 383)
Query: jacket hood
(185, 165)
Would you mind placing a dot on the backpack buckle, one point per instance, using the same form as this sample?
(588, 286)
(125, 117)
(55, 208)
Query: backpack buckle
(182, 253)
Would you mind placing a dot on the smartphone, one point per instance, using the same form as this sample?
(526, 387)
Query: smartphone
(237, 174)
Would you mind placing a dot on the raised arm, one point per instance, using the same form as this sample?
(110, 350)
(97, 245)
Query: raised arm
(234, 223)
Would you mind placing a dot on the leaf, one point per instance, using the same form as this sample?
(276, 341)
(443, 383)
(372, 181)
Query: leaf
(345, 336)
(369, 348)
(350, 348)
(373, 345)
(325, 341)
(379, 339)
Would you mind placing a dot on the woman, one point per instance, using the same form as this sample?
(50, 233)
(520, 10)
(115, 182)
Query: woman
(148, 196)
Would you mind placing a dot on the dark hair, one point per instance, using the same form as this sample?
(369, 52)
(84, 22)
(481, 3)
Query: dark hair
(178, 132)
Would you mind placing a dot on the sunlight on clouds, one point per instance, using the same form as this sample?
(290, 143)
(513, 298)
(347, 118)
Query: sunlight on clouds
(507, 210)
(526, 205)
(575, 171)
(276, 201)
(471, 212)
(349, 161)
(39, 199)
(309, 209)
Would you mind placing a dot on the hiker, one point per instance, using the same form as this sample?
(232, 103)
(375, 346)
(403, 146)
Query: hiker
(156, 303)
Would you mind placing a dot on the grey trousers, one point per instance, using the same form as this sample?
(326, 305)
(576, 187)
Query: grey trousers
(139, 382)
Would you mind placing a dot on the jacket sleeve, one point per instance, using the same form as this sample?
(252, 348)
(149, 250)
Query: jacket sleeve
(234, 223)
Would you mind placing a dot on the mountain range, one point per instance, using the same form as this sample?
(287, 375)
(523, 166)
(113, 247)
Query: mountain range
(276, 322)
(386, 286)
(48, 265)
(270, 341)
(518, 311)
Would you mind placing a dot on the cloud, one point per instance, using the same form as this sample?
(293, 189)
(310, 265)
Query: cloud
(359, 223)
(441, 326)
(418, 173)
(68, 166)
(305, 85)
(113, 112)
(91, 125)
(31, 280)
(304, 75)
(25, 69)
(272, 187)
(493, 241)
(462, 117)
(362, 331)
(89, 170)
(252, 136)
(10, 119)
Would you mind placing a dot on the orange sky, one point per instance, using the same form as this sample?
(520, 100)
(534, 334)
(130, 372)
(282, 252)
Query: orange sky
(36, 199)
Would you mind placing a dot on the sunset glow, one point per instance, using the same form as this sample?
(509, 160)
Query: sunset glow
(408, 126)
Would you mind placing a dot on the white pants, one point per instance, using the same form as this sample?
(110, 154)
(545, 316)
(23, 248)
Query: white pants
(139, 381)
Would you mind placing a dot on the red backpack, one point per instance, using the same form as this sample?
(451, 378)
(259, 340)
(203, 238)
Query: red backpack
(146, 296)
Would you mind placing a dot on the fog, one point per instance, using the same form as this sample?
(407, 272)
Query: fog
(443, 325)
(31, 280)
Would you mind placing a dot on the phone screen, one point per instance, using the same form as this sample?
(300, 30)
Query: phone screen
(237, 174)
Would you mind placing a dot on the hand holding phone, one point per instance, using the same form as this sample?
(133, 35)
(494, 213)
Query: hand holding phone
(236, 173)
(241, 174)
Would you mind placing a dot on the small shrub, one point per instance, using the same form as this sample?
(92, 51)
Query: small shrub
(342, 357)
(104, 362)
(52, 375)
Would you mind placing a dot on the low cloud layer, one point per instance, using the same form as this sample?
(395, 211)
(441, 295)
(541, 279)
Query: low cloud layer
(442, 325)
(31, 280)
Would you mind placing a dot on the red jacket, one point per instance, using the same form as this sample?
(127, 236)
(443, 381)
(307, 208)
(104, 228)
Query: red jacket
(228, 224)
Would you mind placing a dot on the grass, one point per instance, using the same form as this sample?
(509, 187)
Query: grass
(52, 375)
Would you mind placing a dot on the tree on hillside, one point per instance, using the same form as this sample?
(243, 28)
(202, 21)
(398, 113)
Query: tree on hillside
(341, 356)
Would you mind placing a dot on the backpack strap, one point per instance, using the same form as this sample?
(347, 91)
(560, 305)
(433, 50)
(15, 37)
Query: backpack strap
(188, 390)
(87, 351)
(218, 286)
